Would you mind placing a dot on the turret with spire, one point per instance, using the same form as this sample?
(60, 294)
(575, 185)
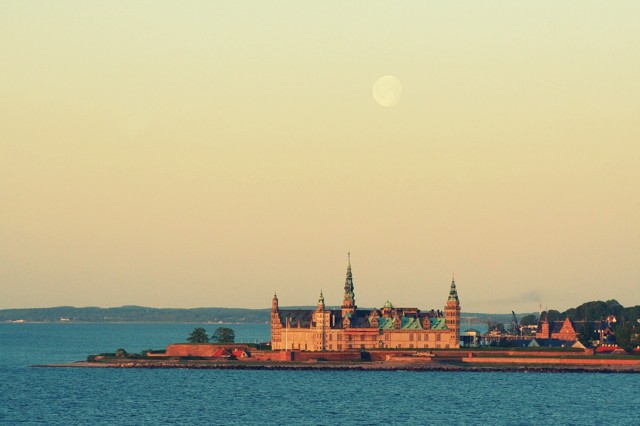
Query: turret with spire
(320, 322)
(452, 314)
(320, 302)
(276, 326)
(349, 301)
(453, 293)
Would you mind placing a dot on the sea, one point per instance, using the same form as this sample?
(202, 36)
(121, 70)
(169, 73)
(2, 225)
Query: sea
(98, 396)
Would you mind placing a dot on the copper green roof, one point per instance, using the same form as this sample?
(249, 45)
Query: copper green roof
(411, 323)
(385, 323)
(438, 324)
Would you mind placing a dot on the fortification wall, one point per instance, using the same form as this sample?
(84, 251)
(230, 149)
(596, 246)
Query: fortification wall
(202, 350)
(558, 361)
(327, 356)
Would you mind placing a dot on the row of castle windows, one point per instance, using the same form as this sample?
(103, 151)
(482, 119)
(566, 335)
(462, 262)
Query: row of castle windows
(411, 346)
(387, 336)
(350, 337)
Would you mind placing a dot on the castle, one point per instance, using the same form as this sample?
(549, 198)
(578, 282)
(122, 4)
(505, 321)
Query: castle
(352, 328)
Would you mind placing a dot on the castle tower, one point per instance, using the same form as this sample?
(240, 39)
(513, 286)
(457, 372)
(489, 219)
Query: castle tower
(321, 319)
(276, 326)
(452, 315)
(349, 302)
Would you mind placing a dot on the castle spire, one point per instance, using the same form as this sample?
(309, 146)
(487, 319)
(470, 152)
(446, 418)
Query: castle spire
(274, 303)
(453, 293)
(349, 301)
(321, 302)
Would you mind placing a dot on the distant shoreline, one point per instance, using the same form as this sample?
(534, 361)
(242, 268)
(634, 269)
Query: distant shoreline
(133, 322)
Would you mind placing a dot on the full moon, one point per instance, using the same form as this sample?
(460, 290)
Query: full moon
(387, 90)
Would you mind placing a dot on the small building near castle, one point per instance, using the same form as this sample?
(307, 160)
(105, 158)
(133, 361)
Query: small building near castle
(350, 328)
(561, 330)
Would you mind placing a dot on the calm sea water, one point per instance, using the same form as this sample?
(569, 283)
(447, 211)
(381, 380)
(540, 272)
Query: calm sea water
(218, 397)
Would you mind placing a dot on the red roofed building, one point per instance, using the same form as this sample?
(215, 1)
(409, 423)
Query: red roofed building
(239, 353)
(608, 348)
(561, 330)
(221, 353)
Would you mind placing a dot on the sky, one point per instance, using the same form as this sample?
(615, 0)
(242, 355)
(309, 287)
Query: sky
(209, 153)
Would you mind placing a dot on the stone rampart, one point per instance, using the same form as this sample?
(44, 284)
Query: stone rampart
(205, 350)
(326, 356)
(558, 361)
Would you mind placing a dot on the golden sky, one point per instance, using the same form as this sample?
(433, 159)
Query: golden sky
(201, 153)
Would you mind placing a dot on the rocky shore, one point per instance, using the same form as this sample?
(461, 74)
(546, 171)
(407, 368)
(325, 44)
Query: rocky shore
(354, 366)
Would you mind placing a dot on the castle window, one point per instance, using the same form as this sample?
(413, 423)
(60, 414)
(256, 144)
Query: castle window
(387, 336)
(438, 337)
(330, 337)
(350, 338)
(339, 347)
(362, 338)
(373, 338)
(419, 337)
(411, 337)
(361, 346)
(350, 346)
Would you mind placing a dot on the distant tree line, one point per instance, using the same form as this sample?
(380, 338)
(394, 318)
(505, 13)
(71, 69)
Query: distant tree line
(590, 311)
(220, 335)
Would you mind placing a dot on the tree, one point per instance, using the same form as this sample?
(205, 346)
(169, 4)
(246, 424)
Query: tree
(198, 335)
(529, 319)
(121, 353)
(552, 315)
(587, 333)
(623, 332)
(224, 335)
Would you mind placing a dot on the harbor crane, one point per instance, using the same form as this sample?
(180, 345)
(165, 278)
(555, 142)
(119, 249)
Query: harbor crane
(514, 324)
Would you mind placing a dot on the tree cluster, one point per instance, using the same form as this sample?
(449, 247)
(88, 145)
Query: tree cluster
(220, 335)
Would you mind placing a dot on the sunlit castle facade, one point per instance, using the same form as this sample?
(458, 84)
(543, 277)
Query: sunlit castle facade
(352, 328)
